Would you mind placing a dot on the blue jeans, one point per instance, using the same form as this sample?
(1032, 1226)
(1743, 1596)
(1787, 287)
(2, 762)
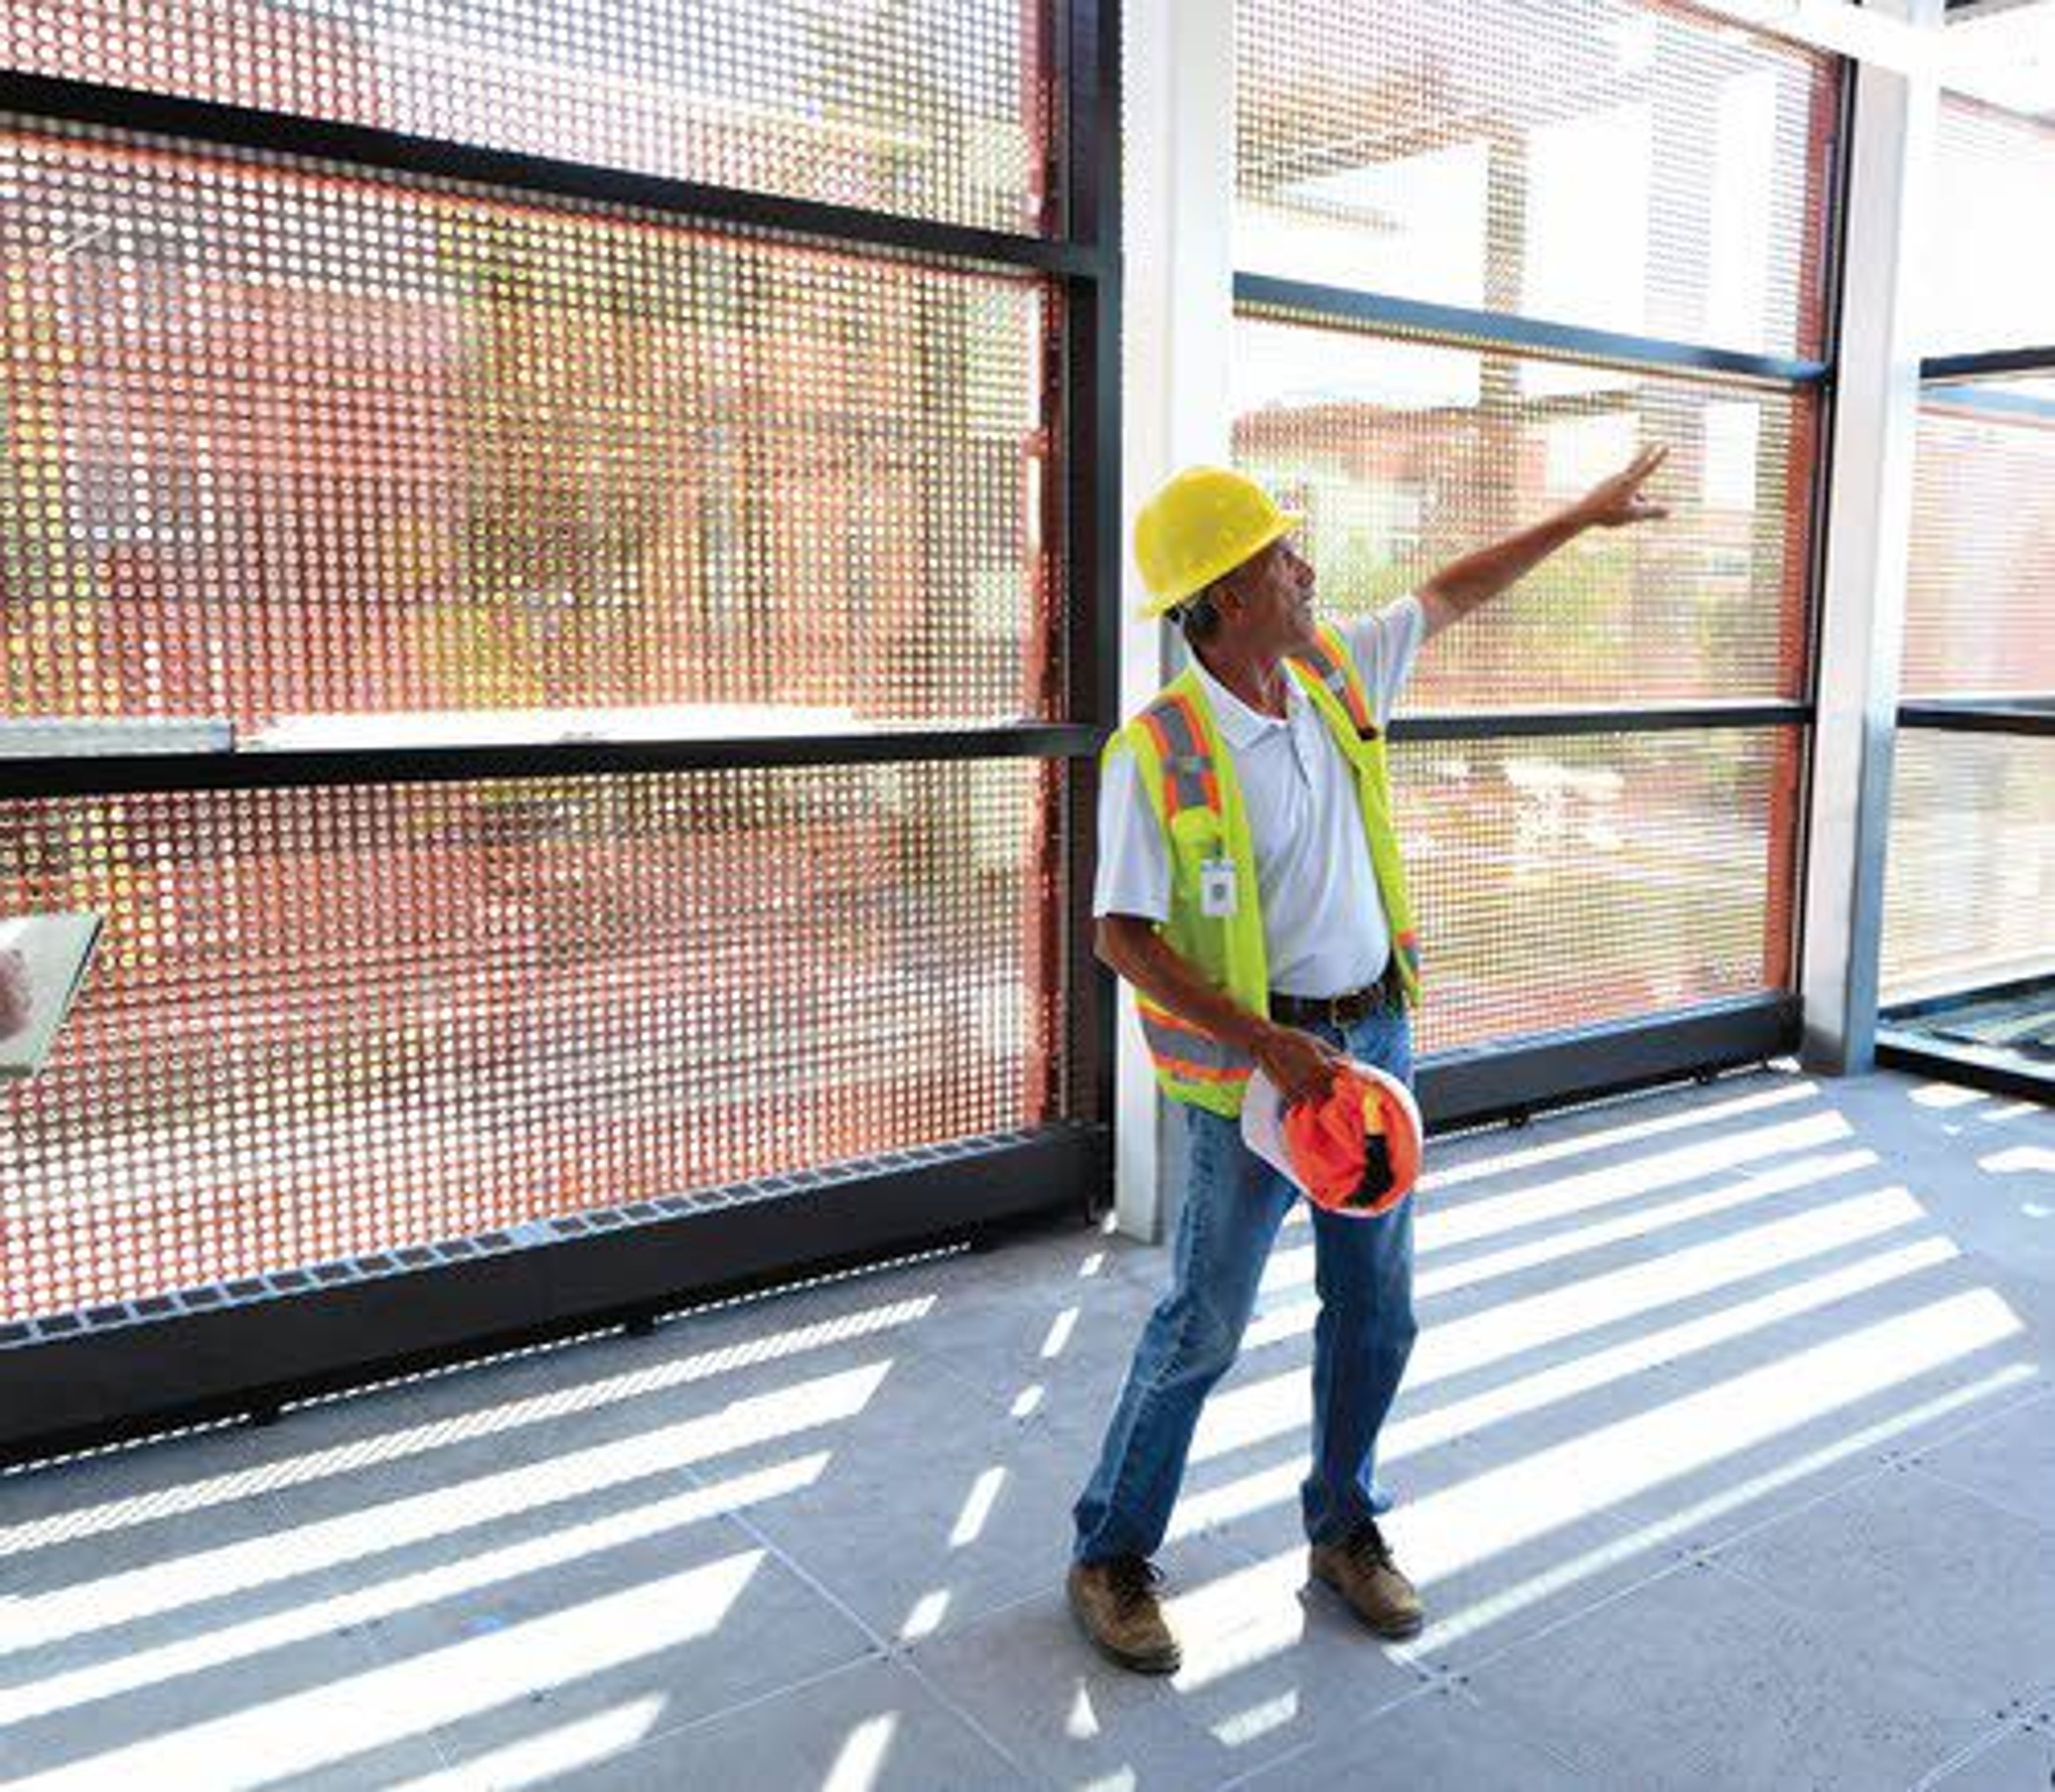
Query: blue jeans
(1234, 1203)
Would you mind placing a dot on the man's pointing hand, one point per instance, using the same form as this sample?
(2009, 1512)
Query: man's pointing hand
(1617, 501)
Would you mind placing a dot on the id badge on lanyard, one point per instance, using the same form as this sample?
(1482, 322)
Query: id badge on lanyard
(1217, 888)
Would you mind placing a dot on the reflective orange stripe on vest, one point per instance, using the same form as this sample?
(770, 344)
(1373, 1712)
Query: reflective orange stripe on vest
(1190, 781)
(1182, 1050)
(1338, 679)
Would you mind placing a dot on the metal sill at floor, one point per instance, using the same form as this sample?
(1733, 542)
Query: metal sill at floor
(2000, 1039)
(129, 1369)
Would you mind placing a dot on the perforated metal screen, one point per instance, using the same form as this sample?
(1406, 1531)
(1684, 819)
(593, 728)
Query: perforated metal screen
(1405, 455)
(927, 108)
(282, 444)
(324, 1022)
(1985, 276)
(368, 442)
(1563, 883)
(1969, 882)
(1980, 598)
(1623, 165)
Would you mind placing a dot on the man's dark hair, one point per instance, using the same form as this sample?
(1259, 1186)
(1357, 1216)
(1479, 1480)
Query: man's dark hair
(1200, 617)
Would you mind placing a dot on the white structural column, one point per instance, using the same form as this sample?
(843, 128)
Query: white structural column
(1868, 536)
(1177, 306)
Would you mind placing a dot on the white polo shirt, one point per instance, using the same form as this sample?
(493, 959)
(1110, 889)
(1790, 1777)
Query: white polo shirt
(1324, 924)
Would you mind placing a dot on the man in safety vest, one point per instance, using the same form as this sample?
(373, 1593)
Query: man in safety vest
(1250, 888)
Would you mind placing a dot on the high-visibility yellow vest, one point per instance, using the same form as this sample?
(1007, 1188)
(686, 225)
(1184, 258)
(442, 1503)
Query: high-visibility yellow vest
(1189, 780)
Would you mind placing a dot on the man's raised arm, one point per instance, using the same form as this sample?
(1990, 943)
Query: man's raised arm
(1469, 583)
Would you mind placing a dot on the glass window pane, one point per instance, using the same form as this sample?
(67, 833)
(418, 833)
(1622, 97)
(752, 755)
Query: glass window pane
(1970, 881)
(327, 1022)
(926, 109)
(1598, 161)
(1565, 882)
(1405, 455)
(288, 444)
(1980, 598)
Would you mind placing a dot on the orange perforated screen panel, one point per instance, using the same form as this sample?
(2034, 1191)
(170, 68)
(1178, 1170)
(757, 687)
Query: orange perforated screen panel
(326, 1022)
(930, 111)
(284, 443)
(1405, 455)
(1565, 882)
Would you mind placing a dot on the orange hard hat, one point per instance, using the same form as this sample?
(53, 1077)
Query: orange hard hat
(1356, 1150)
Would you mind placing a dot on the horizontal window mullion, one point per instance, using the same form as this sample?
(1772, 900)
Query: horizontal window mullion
(2023, 716)
(121, 774)
(1372, 310)
(29, 100)
(1990, 363)
(1486, 724)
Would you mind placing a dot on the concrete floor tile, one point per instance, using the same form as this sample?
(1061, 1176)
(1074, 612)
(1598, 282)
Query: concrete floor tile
(519, 1378)
(441, 1523)
(1265, 1669)
(874, 1725)
(1936, 1576)
(1991, 1181)
(1486, 1585)
(2015, 1761)
(550, 1456)
(144, 1503)
(1762, 1199)
(1440, 1740)
(931, 1506)
(688, 1367)
(192, 1569)
(1058, 1355)
(694, 1621)
(1697, 1448)
(2008, 1460)
(166, 1716)
(1698, 1679)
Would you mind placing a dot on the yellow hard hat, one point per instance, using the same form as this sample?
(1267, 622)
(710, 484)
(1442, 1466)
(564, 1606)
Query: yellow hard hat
(1205, 522)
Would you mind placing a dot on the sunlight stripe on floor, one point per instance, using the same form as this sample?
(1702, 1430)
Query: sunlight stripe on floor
(361, 1713)
(217, 1645)
(1416, 1432)
(321, 1545)
(492, 1419)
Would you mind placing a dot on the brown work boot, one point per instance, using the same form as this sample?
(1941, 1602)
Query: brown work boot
(1115, 1600)
(1360, 1568)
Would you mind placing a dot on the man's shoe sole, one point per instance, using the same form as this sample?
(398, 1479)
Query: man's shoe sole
(1121, 1658)
(1397, 1633)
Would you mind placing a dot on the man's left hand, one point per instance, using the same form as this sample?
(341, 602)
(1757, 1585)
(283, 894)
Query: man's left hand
(1615, 502)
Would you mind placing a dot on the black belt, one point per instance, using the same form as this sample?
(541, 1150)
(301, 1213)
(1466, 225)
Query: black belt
(1337, 1011)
